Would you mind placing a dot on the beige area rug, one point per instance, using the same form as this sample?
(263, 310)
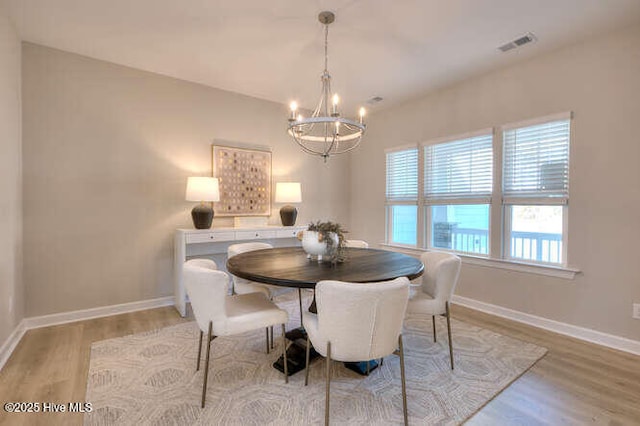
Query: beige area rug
(150, 378)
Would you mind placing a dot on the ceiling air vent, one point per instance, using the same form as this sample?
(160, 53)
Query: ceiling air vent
(374, 100)
(520, 41)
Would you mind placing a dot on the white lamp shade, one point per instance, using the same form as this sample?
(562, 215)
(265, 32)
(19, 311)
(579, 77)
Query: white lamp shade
(202, 189)
(288, 192)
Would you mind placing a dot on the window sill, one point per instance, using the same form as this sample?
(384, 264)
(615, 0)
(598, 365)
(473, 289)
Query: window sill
(563, 272)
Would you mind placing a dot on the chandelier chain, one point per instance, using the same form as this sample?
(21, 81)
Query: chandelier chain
(326, 48)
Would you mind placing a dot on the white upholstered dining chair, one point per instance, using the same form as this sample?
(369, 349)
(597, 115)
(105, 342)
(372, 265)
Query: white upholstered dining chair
(433, 296)
(244, 286)
(219, 314)
(357, 322)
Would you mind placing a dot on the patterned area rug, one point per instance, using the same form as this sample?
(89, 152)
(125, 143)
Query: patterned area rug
(150, 378)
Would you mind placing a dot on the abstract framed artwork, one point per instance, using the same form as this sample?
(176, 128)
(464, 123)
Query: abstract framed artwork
(245, 180)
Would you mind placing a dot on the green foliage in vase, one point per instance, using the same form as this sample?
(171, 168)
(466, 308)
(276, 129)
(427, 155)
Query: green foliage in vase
(324, 229)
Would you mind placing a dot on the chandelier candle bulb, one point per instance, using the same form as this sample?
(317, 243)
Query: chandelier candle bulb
(336, 99)
(294, 107)
(362, 113)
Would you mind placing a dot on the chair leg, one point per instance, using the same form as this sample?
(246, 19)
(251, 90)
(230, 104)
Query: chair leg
(284, 356)
(328, 380)
(300, 302)
(271, 337)
(267, 330)
(206, 363)
(368, 369)
(306, 362)
(449, 331)
(199, 351)
(271, 330)
(404, 384)
(433, 321)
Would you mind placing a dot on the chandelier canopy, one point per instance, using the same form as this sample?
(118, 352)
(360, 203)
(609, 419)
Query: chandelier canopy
(326, 133)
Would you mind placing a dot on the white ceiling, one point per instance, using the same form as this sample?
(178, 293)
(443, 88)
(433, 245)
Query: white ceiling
(273, 49)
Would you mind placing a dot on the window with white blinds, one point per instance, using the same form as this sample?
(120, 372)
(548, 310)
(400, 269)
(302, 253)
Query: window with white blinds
(453, 194)
(536, 162)
(402, 175)
(459, 169)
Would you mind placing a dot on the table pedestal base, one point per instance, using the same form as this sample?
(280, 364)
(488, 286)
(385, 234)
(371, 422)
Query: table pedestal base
(361, 367)
(296, 353)
(296, 356)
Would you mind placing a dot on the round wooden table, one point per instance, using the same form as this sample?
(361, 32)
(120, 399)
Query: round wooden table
(289, 267)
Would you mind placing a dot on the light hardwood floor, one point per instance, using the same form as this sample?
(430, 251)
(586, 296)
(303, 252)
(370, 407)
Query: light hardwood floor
(575, 383)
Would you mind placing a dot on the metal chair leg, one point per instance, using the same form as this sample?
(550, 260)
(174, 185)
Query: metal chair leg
(368, 369)
(284, 355)
(404, 384)
(328, 380)
(446, 305)
(267, 330)
(206, 363)
(306, 363)
(300, 302)
(199, 351)
(433, 320)
(271, 337)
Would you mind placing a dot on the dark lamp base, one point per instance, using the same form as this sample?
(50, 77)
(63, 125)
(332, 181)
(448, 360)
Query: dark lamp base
(202, 216)
(288, 215)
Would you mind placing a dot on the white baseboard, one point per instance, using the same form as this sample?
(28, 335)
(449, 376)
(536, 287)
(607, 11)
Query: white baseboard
(66, 317)
(593, 336)
(10, 344)
(597, 337)
(102, 311)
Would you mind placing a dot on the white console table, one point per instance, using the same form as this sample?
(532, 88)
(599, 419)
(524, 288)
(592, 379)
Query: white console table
(189, 243)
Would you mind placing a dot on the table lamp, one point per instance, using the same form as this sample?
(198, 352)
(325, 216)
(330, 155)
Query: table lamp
(203, 189)
(288, 192)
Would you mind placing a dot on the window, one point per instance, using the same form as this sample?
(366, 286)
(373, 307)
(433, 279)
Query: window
(535, 174)
(458, 179)
(445, 194)
(402, 196)
(459, 227)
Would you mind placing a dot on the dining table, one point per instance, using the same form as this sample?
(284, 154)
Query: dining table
(292, 267)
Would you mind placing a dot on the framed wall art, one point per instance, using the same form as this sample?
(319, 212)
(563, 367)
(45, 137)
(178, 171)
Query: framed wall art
(245, 180)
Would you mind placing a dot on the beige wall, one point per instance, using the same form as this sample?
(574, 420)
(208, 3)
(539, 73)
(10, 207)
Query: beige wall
(107, 151)
(11, 289)
(600, 81)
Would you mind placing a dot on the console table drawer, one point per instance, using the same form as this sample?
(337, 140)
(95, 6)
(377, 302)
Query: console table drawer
(208, 237)
(288, 233)
(255, 235)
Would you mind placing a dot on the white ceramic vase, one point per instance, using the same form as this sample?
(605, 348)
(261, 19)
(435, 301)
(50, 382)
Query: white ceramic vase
(312, 245)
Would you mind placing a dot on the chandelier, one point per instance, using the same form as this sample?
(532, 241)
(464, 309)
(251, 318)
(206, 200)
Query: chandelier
(326, 133)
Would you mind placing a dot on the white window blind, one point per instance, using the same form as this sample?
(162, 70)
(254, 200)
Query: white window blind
(402, 175)
(459, 169)
(536, 162)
